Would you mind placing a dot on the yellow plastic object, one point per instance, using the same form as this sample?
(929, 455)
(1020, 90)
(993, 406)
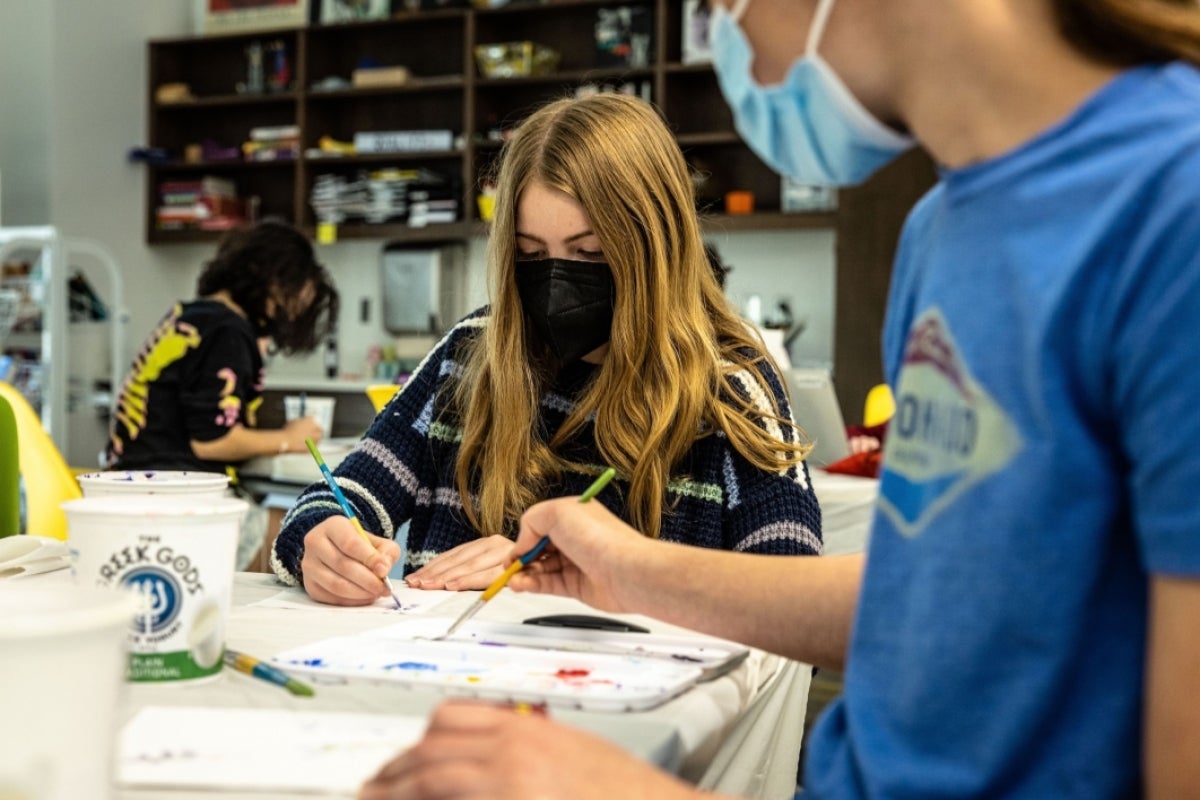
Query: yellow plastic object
(879, 406)
(48, 480)
(381, 393)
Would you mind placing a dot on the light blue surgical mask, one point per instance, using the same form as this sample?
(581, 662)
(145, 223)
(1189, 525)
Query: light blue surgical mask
(809, 127)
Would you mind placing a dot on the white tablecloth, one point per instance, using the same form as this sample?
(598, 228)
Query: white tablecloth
(738, 734)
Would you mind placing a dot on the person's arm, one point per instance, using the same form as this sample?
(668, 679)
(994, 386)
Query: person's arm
(241, 443)
(801, 607)
(1172, 717)
(473, 750)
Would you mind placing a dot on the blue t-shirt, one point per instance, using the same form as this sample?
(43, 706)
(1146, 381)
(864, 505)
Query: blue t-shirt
(1043, 462)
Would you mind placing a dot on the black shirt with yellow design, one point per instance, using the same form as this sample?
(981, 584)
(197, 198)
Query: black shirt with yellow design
(198, 374)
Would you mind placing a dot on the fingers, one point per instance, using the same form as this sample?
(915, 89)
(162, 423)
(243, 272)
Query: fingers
(460, 756)
(340, 568)
(446, 780)
(473, 565)
(590, 547)
(472, 750)
(302, 428)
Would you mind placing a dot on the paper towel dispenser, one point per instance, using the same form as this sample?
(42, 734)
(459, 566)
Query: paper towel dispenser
(423, 287)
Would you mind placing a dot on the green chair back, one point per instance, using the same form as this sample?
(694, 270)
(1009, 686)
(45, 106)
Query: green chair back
(10, 473)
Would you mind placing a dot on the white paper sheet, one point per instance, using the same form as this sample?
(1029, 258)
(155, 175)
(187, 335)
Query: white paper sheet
(412, 601)
(309, 752)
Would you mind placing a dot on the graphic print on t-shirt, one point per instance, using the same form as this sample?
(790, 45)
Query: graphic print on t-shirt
(171, 341)
(947, 433)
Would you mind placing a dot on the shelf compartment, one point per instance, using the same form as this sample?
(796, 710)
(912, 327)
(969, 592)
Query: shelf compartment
(443, 83)
(381, 159)
(429, 45)
(724, 168)
(606, 75)
(440, 231)
(352, 115)
(230, 128)
(219, 167)
(223, 100)
(570, 30)
(692, 101)
(213, 66)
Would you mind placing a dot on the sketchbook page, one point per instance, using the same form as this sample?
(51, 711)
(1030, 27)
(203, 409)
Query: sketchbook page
(304, 752)
(493, 671)
(412, 601)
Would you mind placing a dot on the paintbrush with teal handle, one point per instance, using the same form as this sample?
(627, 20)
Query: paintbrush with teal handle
(346, 509)
(524, 560)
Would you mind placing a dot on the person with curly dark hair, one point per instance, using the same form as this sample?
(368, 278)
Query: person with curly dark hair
(190, 399)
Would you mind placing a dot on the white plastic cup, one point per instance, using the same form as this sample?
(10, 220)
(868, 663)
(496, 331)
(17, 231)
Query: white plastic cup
(178, 558)
(319, 408)
(151, 481)
(62, 664)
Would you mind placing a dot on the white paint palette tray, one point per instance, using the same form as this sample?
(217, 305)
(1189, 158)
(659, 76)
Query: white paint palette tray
(572, 668)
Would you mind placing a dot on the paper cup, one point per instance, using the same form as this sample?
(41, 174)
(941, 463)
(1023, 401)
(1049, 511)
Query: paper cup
(319, 408)
(178, 559)
(132, 481)
(62, 663)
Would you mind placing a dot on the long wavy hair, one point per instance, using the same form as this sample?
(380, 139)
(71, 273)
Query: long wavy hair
(1127, 32)
(675, 342)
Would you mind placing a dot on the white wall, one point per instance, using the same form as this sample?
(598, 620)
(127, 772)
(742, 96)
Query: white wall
(75, 71)
(25, 59)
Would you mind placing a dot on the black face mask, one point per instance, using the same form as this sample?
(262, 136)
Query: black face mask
(569, 304)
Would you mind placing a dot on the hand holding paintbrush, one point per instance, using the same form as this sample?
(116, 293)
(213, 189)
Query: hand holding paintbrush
(347, 509)
(521, 562)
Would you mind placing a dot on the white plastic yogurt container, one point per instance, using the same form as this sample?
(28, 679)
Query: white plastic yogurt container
(178, 559)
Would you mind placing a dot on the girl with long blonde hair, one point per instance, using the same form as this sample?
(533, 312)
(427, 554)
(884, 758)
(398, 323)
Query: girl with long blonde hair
(607, 342)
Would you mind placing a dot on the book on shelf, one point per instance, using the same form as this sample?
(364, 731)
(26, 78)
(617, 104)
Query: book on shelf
(183, 208)
(267, 133)
(206, 185)
(402, 141)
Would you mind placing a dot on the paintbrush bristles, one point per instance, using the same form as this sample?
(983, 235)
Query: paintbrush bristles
(463, 617)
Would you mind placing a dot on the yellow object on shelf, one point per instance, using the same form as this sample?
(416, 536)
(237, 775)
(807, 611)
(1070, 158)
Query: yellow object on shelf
(487, 206)
(47, 478)
(879, 406)
(515, 59)
(381, 393)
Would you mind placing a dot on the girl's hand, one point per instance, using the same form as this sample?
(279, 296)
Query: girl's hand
(473, 565)
(342, 569)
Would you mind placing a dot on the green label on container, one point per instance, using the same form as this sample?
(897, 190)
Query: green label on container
(167, 667)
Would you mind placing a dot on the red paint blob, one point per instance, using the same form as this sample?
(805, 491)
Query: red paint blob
(572, 673)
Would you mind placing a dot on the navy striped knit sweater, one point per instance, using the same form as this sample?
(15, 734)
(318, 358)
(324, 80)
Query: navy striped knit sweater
(403, 469)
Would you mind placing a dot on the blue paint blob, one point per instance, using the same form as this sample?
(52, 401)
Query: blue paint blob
(415, 665)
